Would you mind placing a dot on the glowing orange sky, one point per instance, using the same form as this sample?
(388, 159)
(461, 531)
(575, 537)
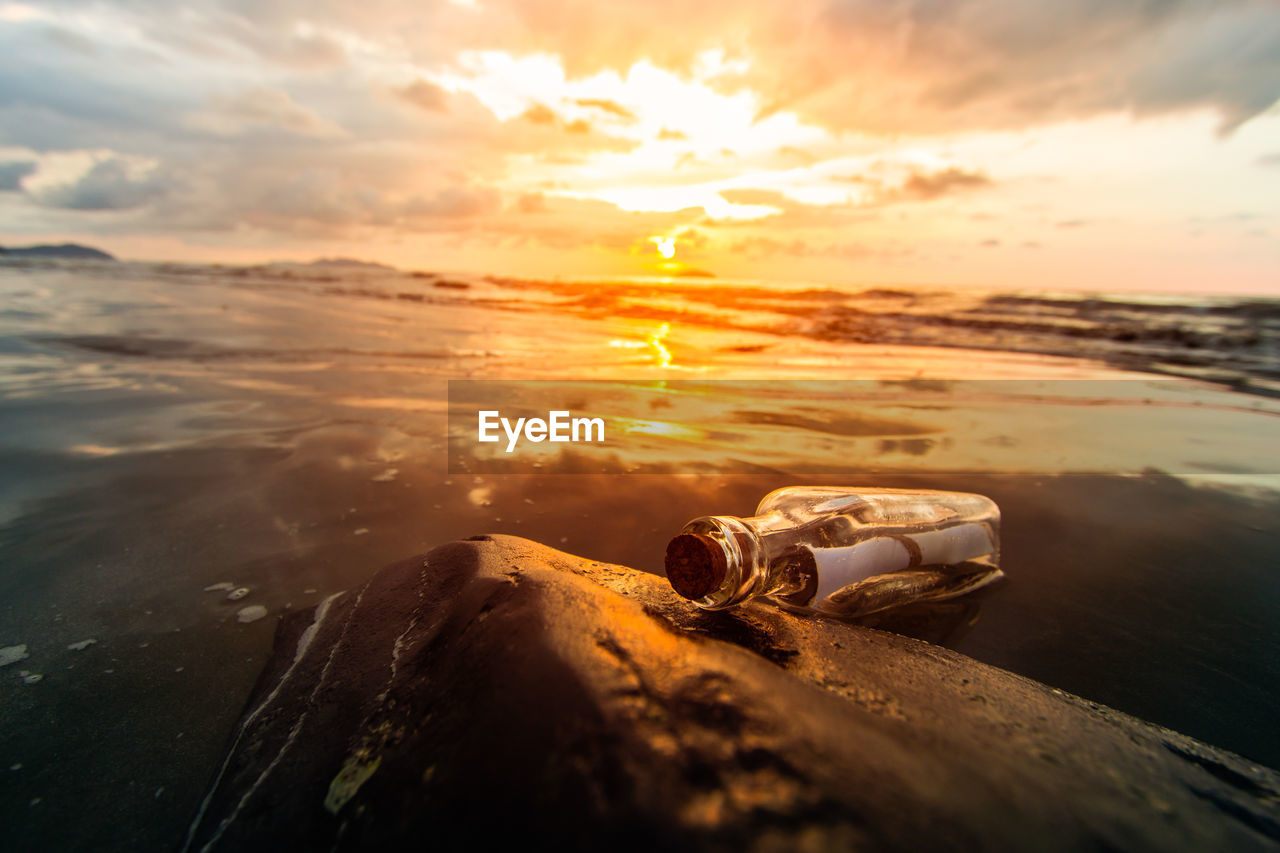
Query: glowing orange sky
(1061, 146)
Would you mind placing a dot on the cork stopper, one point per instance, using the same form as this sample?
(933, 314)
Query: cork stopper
(696, 565)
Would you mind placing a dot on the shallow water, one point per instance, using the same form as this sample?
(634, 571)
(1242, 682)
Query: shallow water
(167, 429)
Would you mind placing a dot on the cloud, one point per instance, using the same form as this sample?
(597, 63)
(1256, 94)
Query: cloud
(882, 189)
(692, 238)
(12, 173)
(114, 183)
(531, 203)
(453, 202)
(796, 155)
(327, 118)
(774, 198)
(424, 95)
(907, 66)
(268, 33)
(70, 40)
(931, 185)
(323, 203)
(260, 109)
(757, 247)
(605, 105)
(539, 114)
(542, 119)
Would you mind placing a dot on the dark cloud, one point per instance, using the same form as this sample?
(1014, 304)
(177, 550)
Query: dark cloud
(12, 173)
(997, 64)
(927, 65)
(110, 184)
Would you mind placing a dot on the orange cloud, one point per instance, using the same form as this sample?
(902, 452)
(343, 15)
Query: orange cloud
(539, 114)
(930, 185)
(613, 108)
(424, 95)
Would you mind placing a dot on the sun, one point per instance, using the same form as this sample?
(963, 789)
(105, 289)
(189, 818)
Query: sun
(666, 246)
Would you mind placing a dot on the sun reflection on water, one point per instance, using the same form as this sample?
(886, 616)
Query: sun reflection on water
(653, 341)
(660, 349)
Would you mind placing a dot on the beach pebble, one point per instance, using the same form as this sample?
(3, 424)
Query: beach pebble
(219, 587)
(13, 654)
(81, 646)
(252, 613)
(237, 594)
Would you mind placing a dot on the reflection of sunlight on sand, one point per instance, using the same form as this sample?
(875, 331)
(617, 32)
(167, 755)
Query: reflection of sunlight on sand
(93, 450)
(258, 385)
(918, 425)
(665, 429)
(404, 404)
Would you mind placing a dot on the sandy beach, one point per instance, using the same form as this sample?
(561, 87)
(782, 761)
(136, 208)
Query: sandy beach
(172, 435)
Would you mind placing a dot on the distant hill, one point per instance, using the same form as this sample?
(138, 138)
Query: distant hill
(65, 250)
(350, 263)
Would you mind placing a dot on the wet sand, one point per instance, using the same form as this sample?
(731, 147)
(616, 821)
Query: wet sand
(166, 431)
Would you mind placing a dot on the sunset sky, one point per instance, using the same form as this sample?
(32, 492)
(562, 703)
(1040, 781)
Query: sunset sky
(1132, 144)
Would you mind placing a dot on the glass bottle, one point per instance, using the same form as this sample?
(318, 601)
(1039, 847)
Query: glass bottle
(846, 552)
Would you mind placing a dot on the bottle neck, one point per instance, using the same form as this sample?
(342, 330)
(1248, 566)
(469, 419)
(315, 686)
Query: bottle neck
(719, 561)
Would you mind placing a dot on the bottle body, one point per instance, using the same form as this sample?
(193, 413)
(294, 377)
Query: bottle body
(842, 551)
